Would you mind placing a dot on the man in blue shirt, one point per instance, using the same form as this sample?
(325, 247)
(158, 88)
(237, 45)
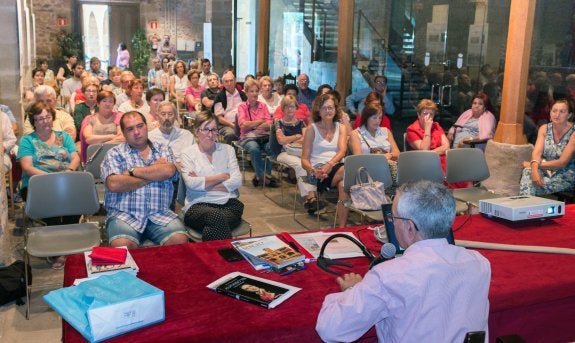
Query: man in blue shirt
(139, 177)
(354, 101)
(306, 95)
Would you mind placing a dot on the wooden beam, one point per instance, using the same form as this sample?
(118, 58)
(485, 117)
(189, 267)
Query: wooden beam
(344, 46)
(263, 36)
(521, 19)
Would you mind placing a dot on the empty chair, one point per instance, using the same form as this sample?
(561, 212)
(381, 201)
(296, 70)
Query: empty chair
(55, 195)
(468, 164)
(416, 165)
(378, 169)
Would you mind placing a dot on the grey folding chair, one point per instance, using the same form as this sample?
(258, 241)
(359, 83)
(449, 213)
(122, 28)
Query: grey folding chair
(378, 168)
(415, 165)
(95, 154)
(244, 228)
(468, 164)
(55, 195)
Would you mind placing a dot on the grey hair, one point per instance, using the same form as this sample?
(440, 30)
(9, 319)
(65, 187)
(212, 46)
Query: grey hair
(430, 205)
(168, 103)
(44, 90)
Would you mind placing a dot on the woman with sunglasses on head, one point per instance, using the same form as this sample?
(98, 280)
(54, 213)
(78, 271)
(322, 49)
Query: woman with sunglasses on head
(324, 147)
(47, 151)
(212, 176)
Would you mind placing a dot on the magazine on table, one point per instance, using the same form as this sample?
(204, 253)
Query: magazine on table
(310, 244)
(253, 289)
(272, 251)
(257, 264)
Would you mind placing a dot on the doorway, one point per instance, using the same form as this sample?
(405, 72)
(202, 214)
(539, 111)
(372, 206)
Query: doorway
(104, 27)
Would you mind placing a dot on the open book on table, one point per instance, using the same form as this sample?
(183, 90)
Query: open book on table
(310, 243)
(253, 289)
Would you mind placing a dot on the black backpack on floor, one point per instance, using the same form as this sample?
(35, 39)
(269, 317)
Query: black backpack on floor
(13, 283)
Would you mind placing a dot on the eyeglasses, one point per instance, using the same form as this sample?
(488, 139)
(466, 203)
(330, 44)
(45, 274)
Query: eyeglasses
(393, 218)
(291, 107)
(327, 108)
(428, 113)
(207, 131)
(43, 118)
(380, 82)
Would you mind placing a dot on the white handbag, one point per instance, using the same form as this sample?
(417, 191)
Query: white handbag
(369, 194)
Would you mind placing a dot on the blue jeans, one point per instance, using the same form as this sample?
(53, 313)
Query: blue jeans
(158, 234)
(255, 150)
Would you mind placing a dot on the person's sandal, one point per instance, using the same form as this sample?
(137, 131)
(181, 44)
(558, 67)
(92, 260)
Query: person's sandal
(57, 263)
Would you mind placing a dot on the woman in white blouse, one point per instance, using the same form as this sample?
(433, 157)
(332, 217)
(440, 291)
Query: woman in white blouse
(267, 96)
(212, 177)
(371, 138)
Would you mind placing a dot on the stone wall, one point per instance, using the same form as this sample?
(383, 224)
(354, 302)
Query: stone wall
(182, 20)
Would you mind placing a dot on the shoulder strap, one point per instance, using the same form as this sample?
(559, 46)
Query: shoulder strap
(359, 132)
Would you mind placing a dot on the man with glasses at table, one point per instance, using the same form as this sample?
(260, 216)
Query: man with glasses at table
(434, 292)
(139, 176)
(354, 101)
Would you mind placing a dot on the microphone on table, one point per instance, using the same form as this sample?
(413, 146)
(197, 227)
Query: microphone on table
(387, 252)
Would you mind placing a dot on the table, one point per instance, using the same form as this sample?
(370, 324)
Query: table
(531, 294)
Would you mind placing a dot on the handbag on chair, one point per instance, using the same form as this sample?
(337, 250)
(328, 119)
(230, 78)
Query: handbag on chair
(367, 195)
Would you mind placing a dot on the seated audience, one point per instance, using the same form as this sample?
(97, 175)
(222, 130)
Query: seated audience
(136, 101)
(254, 122)
(178, 83)
(324, 147)
(269, 98)
(426, 134)
(289, 134)
(374, 98)
(475, 123)
(46, 150)
(103, 126)
(225, 107)
(305, 95)
(355, 101)
(139, 176)
(126, 77)
(279, 86)
(87, 107)
(209, 94)
(154, 96)
(370, 138)
(434, 292)
(302, 111)
(552, 165)
(62, 121)
(37, 80)
(168, 133)
(212, 176)
(193, 92)
(8, 140)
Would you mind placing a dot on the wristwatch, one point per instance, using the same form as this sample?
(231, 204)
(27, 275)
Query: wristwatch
(131, 171)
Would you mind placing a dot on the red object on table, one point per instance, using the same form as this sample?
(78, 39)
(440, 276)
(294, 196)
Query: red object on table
(531, 294)
(107, 255)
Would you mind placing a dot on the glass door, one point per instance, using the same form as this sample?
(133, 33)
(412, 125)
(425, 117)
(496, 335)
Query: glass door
(444, 50)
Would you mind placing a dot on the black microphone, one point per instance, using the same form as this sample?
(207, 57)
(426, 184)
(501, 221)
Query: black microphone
(387, 252)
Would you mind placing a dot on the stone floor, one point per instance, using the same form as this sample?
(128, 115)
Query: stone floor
(264, 210)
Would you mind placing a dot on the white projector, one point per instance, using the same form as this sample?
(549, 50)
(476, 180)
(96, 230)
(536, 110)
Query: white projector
(521, 208)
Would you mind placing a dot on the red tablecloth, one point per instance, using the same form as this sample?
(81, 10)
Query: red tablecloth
(531, 294)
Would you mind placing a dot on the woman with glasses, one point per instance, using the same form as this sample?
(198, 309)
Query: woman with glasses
(47, 151)
(212, 177)
(324, 147)
(89, 106)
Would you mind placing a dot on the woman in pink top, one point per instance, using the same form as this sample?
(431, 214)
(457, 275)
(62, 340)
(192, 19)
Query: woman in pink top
(194, 91)
(254, 122)
(475, 123)
(123, 59)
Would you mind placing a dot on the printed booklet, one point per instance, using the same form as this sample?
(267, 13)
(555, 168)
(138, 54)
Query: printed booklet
(253, 289)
